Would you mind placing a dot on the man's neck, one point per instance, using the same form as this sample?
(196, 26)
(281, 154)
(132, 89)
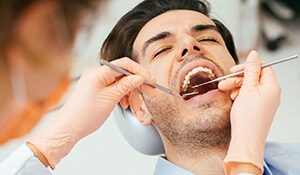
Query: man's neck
(204, 161)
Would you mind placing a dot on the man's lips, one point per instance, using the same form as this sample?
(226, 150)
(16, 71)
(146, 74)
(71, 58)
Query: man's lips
(196, 76)
(197, 72)
(201, 77)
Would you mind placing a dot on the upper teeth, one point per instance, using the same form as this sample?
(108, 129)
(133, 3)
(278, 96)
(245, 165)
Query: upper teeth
(186, 81)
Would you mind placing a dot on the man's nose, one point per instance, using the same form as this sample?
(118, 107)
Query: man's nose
(191, 47)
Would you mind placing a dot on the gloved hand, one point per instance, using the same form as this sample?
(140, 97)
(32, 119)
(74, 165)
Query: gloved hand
(256, 98)
(94, 97)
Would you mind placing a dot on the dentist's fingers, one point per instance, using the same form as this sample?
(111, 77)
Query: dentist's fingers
(127, 84)
(130, 66)
(251, 77)
(230, 83)
(124, 102)
(134, 101)
(268, 75)
(252, 70)
(237, 68)
(234, 94)
(148, 90)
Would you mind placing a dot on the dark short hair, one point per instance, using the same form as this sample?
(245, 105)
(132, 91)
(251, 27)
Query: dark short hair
(120, 41)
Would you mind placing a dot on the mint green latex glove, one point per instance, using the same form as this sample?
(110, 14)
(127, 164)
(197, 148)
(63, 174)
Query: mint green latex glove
(256, 98)
(93, 99)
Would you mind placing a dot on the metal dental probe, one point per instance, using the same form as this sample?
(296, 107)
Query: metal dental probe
(242, 71)
(239, 73)
(157, 86)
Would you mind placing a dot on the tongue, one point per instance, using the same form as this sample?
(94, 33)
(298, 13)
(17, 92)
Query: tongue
(199, 78)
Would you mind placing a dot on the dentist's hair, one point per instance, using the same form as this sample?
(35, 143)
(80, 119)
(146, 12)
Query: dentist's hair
(12, 10)
(120, 41)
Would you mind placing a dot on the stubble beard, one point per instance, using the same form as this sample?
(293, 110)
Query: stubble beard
(192, 136)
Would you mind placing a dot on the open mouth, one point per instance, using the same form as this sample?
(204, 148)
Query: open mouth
(197, 76)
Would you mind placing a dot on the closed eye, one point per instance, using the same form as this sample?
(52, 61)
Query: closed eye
(207, 39)
(161, 51)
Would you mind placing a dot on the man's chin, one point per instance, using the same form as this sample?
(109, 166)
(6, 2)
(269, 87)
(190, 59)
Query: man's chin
(198, 123)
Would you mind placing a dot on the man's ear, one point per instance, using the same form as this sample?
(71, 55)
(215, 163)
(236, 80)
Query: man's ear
(142, 114)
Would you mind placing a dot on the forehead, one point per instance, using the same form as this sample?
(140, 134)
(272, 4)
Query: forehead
(174, 21)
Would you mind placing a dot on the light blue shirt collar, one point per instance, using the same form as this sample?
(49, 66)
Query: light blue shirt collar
(164, 167)
(279, 158)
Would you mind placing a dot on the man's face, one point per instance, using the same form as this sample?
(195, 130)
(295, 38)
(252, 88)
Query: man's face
(170, 46)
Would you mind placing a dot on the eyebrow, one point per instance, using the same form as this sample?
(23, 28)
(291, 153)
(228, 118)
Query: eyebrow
(201, 27)
(160, 36)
